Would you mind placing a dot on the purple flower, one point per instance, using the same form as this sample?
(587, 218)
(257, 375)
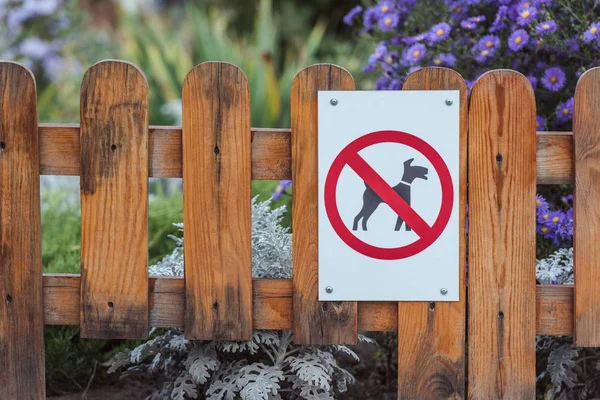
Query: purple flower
(414, 39)
(446, 59)
(370, 18)
(518, 39)
(352, 14)
(395, 84)
(380, 51)
(388, 21)
(533, 80)
(36, 48)
(526, 15)
(541, 205)
(481, 56)
(540, 123)
(392, 57)
(385, 7)
(592, 32)
(280, 189)
(499, 23)
(564, 111)
(546, 27)
(471, 23)
(382, 83)
(488, 42)
(414, 53)
(439, 32)
(554, 79)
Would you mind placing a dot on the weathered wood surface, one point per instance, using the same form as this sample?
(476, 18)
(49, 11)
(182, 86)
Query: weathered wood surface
(114, 202)
(502, 186)
(272, 305)
(586, 249)
(314, 322)
(21, 302)
(216, 203)
(431, 336)
(271, 153)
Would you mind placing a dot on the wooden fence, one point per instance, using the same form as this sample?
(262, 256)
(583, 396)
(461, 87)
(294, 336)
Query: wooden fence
(114, 151)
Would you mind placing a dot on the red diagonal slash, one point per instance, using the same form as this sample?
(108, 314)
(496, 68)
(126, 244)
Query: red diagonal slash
(388, 195)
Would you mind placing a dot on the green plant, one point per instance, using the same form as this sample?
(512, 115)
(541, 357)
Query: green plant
(167, 46)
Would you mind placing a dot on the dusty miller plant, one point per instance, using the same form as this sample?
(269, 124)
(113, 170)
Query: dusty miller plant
(571, 373)
(270, 366)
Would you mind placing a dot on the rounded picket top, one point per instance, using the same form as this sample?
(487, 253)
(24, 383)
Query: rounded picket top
(504, 76)
(224, 71)
(106, 69)
(13, 68)
(325, 74)
(434, 77)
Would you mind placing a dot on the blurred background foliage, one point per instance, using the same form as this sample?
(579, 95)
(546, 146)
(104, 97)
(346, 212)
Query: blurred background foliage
(270, 42)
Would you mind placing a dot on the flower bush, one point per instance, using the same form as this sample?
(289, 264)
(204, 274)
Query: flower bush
(267, 367)
(474, 36)
(552, 42)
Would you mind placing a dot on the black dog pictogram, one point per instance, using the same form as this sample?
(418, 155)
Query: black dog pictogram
(371, 200)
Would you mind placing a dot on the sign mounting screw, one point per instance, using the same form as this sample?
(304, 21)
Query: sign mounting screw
(333, 102)
(449, 102)
(329, 289)
(444, 291)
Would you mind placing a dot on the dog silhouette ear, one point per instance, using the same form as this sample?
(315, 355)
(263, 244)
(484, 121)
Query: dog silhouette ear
(408, 162)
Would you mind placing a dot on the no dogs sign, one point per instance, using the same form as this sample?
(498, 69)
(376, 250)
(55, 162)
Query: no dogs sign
(388, 195)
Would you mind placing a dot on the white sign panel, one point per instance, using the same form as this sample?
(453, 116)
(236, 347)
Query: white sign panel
(389, 195)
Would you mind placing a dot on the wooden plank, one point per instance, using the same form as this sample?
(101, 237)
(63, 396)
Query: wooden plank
(586, 253)
(216, 203)
(554, 158)
(554, 310)
(114, 202)
(314, 322)
(271, 153)
(431, 336)
(60, 151)
(272, 305)
(21, 301)
(502, 237)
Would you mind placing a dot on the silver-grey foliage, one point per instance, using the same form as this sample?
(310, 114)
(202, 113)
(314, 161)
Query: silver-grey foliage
(270, 366)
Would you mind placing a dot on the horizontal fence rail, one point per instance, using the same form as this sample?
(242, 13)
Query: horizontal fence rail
(271, 153)
(272, 305)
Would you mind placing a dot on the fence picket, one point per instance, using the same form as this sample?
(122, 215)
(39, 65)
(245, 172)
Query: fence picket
(314, 322)
(502, 165)
(21, 303)
(431, 336)
(586, 152)
(114, 202)
(216, 203)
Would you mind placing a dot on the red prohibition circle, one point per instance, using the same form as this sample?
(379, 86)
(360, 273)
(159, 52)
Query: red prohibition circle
(428, 234)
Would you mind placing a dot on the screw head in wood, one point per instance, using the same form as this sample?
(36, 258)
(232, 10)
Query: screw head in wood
(449, 102)
(329, 289)
(444, 291)
(333, 102)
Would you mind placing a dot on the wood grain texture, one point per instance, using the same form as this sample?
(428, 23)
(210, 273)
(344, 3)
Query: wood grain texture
(554, 158)
(271, 153)
(272, 305)
(586, 252)
(554, 310)
(21, 301)
(114, 202)
(314, 322)
(216, 203)
(502, 187)
(431, 336)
